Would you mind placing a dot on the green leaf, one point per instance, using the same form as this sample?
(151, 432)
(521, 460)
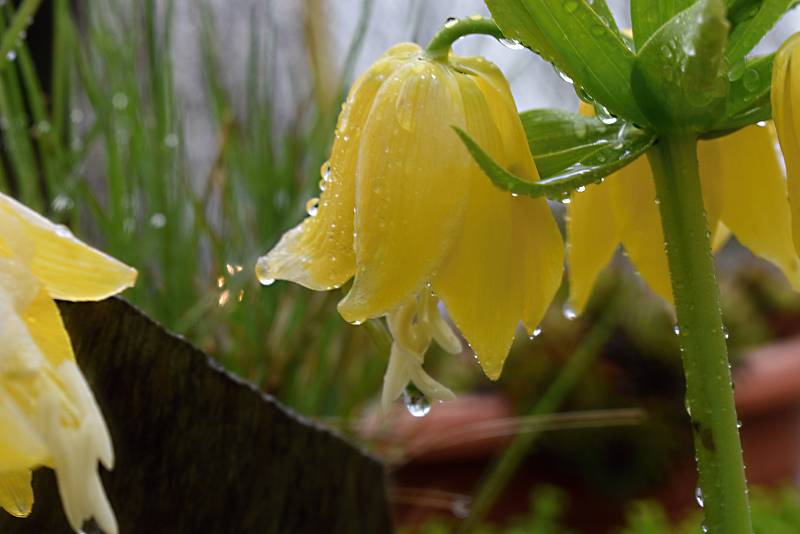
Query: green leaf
(749, 97)
(578, 151)
(601, 8)
(647, 16)
(680, 78)
(750, 21)
(579, 42)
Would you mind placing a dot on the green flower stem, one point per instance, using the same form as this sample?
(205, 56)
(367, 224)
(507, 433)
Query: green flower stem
(439, 47)
(709, 391)
(575, 367)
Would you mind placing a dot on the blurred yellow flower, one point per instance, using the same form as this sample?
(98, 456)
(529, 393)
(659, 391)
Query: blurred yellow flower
(48, 415)
(785, 96)
(407, 213)
(744, 193)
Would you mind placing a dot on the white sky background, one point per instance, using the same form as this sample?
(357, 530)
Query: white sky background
(533, 81)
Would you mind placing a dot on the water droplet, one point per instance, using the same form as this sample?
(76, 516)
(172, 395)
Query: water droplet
(581, 189)
(676, 329)
(738, 424)
(76, 116)
(598, 30)
(450, 22)
(751, 79)
(536, 332)
(566, 200)
(263, 272)
(725, 332)
(569, 312)
(61, 203)
(563, 75)
(312, 206)
(476, 17)
(416, 403)
(325, 170)
(11, 55)
(698, 496)
(158, 220)
(762, 124)
(511, 43)
(461, 506)
(571, 6)
(171, 140)
(357, 322)
(119, 100)
(43, 127)
(62, 231)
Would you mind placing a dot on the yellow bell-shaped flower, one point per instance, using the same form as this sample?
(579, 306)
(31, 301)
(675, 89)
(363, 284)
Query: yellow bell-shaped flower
(48, 415)
(785, 97)
(407, 213)
(744, 193)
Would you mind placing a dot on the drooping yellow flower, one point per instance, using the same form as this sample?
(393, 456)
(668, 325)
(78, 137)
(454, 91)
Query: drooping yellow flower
(744, 193)
(48, 416)
(785, 97)
(407, 213)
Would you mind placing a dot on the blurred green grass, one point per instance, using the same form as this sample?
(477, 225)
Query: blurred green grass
(111, 111)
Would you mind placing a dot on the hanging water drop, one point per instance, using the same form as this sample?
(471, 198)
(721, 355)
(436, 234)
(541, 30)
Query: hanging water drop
(511, 43)
(536, 333)
(158, 220)
(581, 189)
(751, 80)
(312, 206)
(725, 332)
(563, 75)
(698, 496)
(676, 329)
(119, 101)
(416, 402)
(569, 312)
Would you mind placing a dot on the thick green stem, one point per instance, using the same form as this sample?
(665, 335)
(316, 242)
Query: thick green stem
(439, 47)
(709, 392)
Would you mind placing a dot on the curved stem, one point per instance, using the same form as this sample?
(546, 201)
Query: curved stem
(439, 47)
(709, 391)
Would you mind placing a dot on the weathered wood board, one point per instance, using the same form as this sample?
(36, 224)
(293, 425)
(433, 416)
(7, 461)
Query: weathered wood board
(199, 451)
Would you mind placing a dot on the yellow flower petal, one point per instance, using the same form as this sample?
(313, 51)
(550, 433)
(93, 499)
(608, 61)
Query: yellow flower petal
(638, 222)
(68, 268)
(592, 237)
(541, 247)
(755, 205)
(786, 114)
(16, 494)
(47, 329)
(482, 281)
(318, 253)
(411, 188)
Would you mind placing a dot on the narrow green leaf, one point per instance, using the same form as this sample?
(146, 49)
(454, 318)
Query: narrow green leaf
(750, 22)
(579, 42)
(604, 12)
(680, 77)
(568, 161)
(647, 16)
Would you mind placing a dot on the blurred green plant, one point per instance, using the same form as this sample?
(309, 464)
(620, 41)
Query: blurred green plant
(103, 150)
(775, 511)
